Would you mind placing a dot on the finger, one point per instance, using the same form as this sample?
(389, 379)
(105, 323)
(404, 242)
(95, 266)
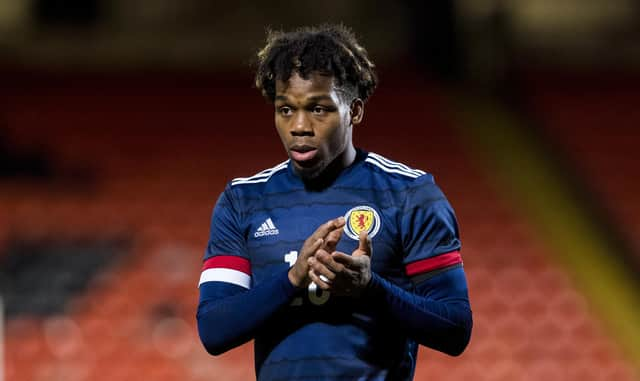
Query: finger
(321, 270)
(364, 245)
(342, 258)
(319, 282)
(333, 238)
(321, 253)
(323, 230)
(326, 259)
(313, 248)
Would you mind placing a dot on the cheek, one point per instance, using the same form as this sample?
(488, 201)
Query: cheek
(338, 137)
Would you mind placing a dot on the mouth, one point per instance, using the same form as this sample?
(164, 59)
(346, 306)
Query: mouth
(302, 153)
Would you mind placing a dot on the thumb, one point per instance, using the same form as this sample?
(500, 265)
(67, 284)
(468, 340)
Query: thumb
(364, 245)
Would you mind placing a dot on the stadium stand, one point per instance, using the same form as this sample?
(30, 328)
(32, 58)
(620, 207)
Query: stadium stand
(161, 151)
(593, 120)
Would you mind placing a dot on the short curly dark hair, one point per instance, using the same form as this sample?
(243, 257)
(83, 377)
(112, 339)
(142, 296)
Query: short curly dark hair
(328, 49)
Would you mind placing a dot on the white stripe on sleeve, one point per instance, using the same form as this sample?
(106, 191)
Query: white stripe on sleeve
(225, 275)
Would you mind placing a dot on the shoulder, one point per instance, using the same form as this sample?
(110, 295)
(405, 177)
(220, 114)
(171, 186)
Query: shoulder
(242, 192)
(255, 184)
(395, 171)
(260, 177)
(413, 186)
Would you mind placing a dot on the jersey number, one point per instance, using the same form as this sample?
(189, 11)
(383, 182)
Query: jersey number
(316, 295)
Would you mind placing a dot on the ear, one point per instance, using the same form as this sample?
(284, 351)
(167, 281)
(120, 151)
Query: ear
(357, 111)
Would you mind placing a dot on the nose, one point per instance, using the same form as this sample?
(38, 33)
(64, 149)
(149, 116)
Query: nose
(301, 125)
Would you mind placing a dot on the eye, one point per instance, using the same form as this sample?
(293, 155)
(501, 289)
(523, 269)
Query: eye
(284, 110)
(318, 110)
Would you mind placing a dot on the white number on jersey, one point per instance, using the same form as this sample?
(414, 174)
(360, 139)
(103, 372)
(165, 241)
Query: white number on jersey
(316, 295)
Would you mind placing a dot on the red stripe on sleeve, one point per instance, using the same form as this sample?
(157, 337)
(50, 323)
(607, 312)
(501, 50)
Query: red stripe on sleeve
(228, 262)
(434, 263)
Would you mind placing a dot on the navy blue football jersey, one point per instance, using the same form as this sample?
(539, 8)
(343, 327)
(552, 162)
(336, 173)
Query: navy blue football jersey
(260, 222)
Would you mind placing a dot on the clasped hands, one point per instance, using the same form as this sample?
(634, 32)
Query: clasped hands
(331, 270)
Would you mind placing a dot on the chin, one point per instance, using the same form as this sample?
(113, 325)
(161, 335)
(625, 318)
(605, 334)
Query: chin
(310, 173)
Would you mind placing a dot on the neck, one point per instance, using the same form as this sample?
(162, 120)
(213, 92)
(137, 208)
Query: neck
(333, 170)
(347, 157)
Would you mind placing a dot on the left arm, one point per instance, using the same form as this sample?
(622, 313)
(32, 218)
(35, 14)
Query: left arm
(436, 313)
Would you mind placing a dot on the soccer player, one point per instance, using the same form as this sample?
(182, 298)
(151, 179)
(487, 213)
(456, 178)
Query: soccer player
(338, 261)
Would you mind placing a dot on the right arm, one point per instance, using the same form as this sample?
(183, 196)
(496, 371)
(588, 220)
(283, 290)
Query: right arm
(230, 311)
(229, 315)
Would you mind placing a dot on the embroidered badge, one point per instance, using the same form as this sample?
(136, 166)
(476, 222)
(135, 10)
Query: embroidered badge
(361, 218)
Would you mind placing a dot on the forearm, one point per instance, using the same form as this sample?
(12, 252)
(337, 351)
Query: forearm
(443, 324)
(228, 320)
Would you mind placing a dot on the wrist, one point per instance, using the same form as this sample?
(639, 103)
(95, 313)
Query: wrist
(293, 279)
(367, 281)
(373, 285)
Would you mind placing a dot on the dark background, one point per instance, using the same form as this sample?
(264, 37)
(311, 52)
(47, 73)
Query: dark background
(121, 121)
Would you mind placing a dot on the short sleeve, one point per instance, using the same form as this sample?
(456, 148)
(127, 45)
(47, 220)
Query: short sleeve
(225, 258)
(429, 231)
(225, 234)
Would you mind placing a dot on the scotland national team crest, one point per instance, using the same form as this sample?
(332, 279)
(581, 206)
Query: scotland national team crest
(361, 218)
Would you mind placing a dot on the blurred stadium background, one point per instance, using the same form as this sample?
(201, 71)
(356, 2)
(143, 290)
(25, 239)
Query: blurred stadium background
(121, 121)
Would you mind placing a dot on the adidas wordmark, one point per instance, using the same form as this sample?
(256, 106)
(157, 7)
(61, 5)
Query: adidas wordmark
(267, 228)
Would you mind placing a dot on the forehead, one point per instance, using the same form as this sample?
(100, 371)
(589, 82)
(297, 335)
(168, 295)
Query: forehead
(298, 87)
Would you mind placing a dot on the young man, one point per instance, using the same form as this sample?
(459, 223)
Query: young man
(338, 262)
